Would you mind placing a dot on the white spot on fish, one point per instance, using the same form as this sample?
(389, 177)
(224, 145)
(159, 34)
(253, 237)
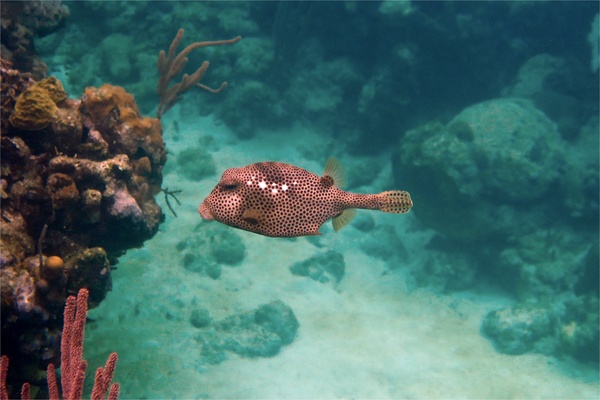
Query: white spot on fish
(274, 191)
(262, 184)
(284, 187)
(249, 183)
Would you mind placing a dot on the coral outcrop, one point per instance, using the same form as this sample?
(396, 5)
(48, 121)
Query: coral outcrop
(490, 155)
(499, 183)
(78, 179)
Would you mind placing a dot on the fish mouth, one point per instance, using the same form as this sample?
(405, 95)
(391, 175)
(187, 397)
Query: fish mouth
(205, 212)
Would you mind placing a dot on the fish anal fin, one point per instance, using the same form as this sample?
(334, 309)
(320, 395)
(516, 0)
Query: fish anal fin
(343, 218)
(395, 201)
(334, 170)
(252, 216)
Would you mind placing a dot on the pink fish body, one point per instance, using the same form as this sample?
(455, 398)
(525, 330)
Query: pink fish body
(282, 200)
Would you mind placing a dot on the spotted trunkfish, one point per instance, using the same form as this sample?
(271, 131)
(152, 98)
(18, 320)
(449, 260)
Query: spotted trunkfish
(281, 200)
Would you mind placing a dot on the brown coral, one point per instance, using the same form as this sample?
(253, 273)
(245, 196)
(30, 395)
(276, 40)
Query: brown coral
(99, 104)
(54, 88)
(170, 65)
(34, 110)
(36, 107)
(114, 113)
(63, 191)
(12, 84)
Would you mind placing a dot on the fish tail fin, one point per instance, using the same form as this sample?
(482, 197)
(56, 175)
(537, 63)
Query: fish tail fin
(395, 201)
(343, 219)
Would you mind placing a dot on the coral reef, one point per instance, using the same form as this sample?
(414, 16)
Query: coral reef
(258, 333)
(78, 183)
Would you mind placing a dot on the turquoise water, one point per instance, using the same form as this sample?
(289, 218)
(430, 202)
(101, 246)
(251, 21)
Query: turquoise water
(487, 113)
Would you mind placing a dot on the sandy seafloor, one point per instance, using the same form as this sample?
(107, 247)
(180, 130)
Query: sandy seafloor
(369, 337)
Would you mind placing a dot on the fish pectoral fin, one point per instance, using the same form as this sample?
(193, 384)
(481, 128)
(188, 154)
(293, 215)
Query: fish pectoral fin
(343, 218)
(334, 170)
(252, 216)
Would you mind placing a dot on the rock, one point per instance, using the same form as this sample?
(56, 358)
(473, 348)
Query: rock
(89, 268)
(446, 271)
(579, 328)
(202, 264)
(518, 330)
(324, 268)
(259, 333)
(200, 318)
(544, 263)
(206, 253)
(465, 174)
(383, 243)
(558, 88)
(567, 324)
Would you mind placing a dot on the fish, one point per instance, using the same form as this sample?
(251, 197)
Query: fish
(276, 199)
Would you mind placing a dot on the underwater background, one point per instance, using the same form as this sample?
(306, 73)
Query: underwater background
(486, 112)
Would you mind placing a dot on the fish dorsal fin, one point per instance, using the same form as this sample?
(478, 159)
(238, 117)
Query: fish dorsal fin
(335, 170)
(343, 218)
(252, 216)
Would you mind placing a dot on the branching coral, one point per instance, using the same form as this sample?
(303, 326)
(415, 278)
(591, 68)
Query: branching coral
(73, 365)
(172, 65)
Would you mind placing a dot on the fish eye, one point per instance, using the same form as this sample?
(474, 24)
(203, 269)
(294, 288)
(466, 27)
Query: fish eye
(228, 187)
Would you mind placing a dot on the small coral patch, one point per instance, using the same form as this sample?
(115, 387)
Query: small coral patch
(54, 88)
(34, 110)
(98, 103)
